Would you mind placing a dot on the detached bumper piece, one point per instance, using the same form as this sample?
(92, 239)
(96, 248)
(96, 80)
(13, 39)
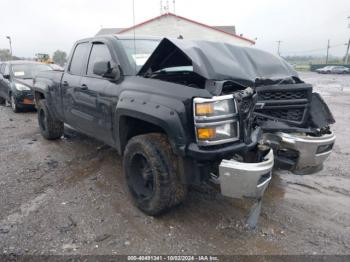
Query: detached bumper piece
(300, 153)
(238, 179)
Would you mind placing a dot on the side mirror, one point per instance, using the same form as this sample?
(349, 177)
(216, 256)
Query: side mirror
(105, 69)
(7, 77)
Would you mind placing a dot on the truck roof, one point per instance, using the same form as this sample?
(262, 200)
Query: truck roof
(127, 37)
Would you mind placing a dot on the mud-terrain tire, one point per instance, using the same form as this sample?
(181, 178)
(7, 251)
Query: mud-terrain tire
(152, 175)
(50, 128)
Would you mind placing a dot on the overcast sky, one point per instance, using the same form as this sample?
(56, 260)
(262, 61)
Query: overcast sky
(303, 26)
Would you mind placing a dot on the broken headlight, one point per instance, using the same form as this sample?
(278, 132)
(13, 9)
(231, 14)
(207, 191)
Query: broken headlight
(216, 120)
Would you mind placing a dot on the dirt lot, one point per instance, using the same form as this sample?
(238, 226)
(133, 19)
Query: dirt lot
(68, 197)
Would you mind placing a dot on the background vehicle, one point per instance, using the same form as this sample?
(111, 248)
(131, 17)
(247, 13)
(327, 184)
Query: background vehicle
(177, 113)
(16, 82)
(43, 58)
(333, 70)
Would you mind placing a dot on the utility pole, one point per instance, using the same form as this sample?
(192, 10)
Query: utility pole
(347, 49)
(328, 46)
(347, 53)
(9, 38)
(278, 47)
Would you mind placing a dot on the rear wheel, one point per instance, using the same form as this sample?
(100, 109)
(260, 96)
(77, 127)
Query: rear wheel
(151, 171)
(2, 101)
(50, 128)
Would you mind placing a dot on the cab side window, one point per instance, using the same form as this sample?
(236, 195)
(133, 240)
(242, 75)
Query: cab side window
(99, 52)
(78, 60)
(2, 67)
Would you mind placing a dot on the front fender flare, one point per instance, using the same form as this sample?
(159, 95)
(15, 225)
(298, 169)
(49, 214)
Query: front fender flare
(42, 86)
(162, 116)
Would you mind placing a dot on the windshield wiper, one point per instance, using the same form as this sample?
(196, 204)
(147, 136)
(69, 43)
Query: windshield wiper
(158, 72)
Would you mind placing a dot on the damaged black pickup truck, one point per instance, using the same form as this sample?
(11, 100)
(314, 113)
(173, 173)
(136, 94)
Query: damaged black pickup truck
(183, 112)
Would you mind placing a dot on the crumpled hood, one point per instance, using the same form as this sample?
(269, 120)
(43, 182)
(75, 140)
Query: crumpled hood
(26, 82)
(218, 61)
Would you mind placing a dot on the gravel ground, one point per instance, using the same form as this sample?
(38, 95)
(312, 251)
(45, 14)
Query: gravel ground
(69, 197)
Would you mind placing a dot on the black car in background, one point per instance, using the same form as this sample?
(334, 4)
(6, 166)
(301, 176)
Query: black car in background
(16, 81)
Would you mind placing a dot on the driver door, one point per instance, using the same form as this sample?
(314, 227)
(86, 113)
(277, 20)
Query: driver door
(94, 96)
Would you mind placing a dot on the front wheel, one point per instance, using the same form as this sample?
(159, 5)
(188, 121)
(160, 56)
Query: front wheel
(152, 176)
(2, 101)
(50, 128)
(14, 104)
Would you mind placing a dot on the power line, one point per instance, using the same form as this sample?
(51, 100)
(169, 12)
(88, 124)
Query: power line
(313, 50)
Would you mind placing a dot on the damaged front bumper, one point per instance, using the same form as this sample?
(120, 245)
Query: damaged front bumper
(301, 153)
(24, 98)
(239, 179)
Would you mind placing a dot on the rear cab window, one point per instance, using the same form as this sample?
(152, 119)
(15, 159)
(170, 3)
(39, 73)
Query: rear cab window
(77, 63)
(6, 69)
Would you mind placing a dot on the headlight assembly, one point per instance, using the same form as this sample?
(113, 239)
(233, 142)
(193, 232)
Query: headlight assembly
(214, 108)
(21, 87)
(216, 120)
(217, 132)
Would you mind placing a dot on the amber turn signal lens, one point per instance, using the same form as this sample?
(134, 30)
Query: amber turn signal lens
(205, 133)
(27, 101)
(204, 109)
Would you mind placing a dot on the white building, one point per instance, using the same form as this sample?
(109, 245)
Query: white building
(175, 26)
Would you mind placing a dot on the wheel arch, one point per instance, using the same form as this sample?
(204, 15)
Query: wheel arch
(131, 122)
(38, 96)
